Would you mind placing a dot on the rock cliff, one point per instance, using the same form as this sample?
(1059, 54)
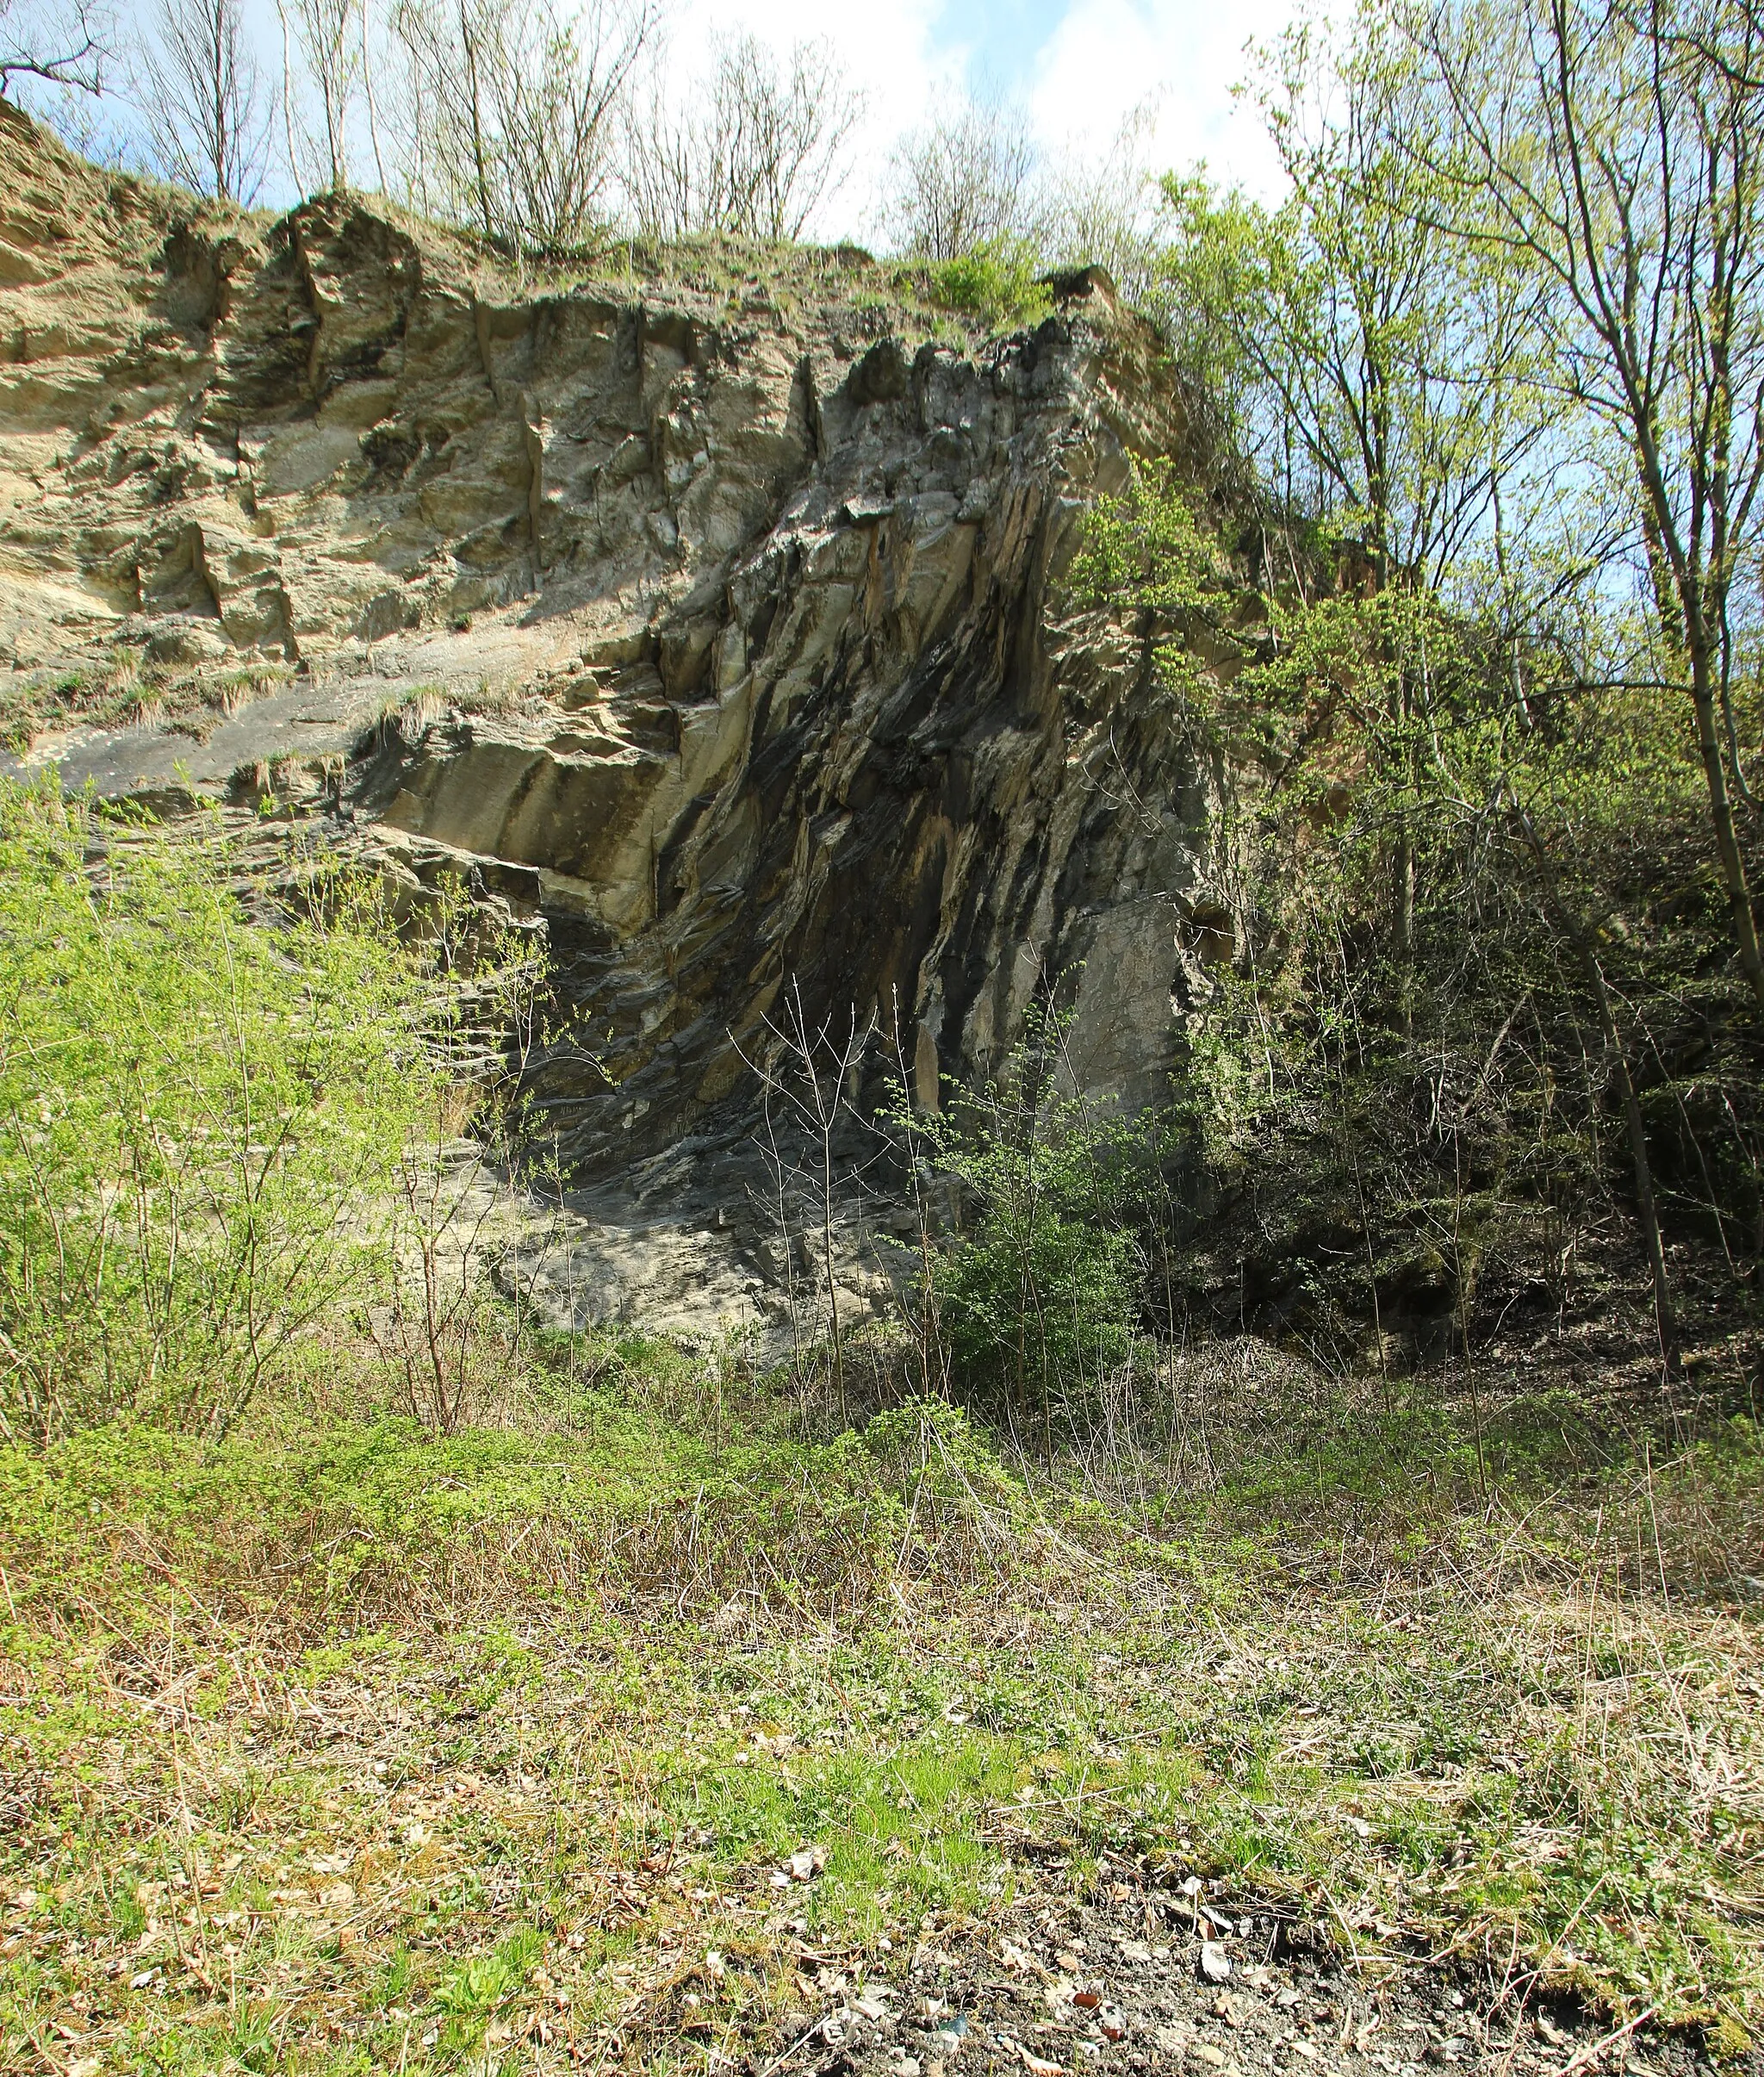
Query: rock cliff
(711, 614)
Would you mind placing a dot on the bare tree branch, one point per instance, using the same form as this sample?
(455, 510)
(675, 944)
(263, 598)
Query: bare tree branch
(1613, 146)
(206, 109)
(513, 109)
(331, 48)
(755, 157)
(67, 44)
(971, 177)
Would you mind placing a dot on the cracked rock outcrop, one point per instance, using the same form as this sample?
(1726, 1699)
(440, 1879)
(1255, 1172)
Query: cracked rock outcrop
(714, 620)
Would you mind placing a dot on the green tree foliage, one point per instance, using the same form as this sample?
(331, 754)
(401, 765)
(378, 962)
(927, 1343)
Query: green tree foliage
(1414, 1121)
(1376, 368)
(1612, 154)
(1478, 986)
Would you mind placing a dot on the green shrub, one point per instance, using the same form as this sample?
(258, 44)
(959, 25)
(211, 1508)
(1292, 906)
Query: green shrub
(1037, 1310)
(995, 283)
(199, 1117)
(1035, 1300)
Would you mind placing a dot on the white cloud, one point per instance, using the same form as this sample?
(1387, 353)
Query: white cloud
(889, 52)
(1103, 59)
(1109, 57)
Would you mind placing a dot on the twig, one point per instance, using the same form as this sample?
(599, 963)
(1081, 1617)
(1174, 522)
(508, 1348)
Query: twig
(1582, 2057)
(801, 2041)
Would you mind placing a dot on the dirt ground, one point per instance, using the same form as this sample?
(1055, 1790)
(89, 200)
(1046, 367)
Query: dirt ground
(1167, 1975)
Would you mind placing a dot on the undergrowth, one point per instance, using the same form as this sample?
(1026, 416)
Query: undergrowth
(393, 1747)
(396, 1683)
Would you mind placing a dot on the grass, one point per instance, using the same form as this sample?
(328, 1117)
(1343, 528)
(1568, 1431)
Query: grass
(843, 286)
(125, 693)
(605, 1700)
(963, 302)
(338, 1748)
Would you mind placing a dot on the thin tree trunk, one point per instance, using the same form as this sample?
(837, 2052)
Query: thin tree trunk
(373, 112)
(469, 44)
(826, 1259)
(1733, 863)
(1684, 622)
(288, 93)
(1634, 1127)
(1403, 895)
(216, 84)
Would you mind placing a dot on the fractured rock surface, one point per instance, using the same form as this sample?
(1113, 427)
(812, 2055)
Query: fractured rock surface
(717, 623)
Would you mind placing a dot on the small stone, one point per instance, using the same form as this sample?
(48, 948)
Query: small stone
(1215, 1963)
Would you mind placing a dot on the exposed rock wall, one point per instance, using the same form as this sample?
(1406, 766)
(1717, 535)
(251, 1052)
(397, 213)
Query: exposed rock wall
(744, 597)
(871, 762)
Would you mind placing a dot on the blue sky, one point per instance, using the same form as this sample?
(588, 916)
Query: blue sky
(999, 42)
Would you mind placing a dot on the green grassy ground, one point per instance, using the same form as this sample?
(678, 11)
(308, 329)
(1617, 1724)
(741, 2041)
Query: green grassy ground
(339, 1749)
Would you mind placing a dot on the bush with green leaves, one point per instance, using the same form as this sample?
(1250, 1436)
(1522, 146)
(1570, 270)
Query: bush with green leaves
(997, 282)
(1035, 1298)
(1477, 997)
(201, 1118)
(1036, 1307)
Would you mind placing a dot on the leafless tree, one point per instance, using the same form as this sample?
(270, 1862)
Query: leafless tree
(971, 177)
(368, 95)
(513, 106)
(556, 125)
(206, 108)
(326, 35)
(757, 155)
(1104, 213)
(808, 1077)
(66, 44)
(927, 1326)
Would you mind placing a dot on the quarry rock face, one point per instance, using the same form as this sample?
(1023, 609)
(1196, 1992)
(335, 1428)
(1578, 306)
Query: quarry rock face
(717, 623)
